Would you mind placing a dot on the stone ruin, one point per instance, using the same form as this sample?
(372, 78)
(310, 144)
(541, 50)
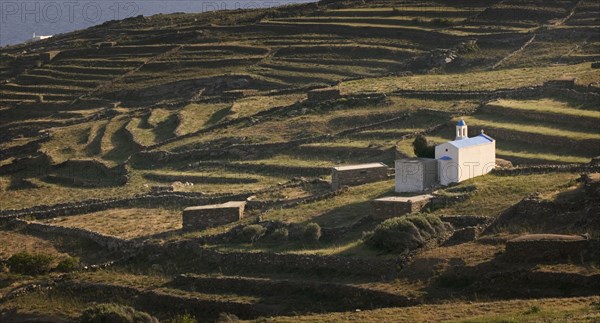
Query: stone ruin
(208, 216)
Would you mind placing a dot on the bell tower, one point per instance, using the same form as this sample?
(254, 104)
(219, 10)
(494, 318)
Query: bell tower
(461, 130)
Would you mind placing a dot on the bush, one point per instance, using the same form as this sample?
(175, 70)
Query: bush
(30, 264)
(68, 264)
(280, 234)
(114, 313)
(186, 318)
(405, 233)
(312, 232)
(251, 233)
(423, 148)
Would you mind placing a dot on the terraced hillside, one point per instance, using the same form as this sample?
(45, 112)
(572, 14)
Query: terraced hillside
(108, 133)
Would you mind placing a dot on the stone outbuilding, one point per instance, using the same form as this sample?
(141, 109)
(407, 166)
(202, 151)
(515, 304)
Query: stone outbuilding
(393, 206)
(358, 174)
(416, 174)
(208, 216)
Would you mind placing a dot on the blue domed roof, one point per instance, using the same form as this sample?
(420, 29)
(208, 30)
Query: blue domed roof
(461, 122)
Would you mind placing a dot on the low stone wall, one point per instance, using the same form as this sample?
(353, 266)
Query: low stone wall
(109, 242)
(95, 205)
(543, 169)
(540, 283)
(198, 179)
(342, 297)
(585, 145)
(261, 204)
(546, 116)
(244, 262)
(154, 301)
(323, 94)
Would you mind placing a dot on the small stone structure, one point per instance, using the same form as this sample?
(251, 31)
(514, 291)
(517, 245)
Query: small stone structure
(358, 174)
(416, 174)
(323, 94)
(546, 247)
(208, 216)
(561, 83)
(393, 206)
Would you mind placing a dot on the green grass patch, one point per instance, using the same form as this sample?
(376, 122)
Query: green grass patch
(477, 81)
(194, 117)
(548, 105)
(542, 128)
(496, 193)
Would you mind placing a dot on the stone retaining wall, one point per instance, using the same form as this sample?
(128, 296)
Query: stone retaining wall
(546, 116)
(95, 205)
(543, 169)
(106, 241)
(154, 301)
(584, 145)
(539, 249)
(244, 262)
(345, 297)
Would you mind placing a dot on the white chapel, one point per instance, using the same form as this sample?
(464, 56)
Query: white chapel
(465, 157)
(455, 161)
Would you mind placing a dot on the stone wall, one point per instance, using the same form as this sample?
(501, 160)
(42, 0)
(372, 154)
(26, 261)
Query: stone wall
(323, 94)
(546, 116)
(156, 301)
(243, 262)
(95, 205)
(585, 145)
(343, 297)
(106, 241)
(544, 169)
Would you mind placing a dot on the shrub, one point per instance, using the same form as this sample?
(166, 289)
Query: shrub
(185, 318)
(114, 313)
(312, 232)
(30, 264)
(251, 233)
(423, 148)
(405, 233)
(68, 264)
(280, 234)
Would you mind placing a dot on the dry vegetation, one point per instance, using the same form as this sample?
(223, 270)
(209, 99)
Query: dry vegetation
(229, 92)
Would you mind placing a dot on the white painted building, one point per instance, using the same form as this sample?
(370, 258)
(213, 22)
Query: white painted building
(455, 161)
(39, 37)
(465, 157)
